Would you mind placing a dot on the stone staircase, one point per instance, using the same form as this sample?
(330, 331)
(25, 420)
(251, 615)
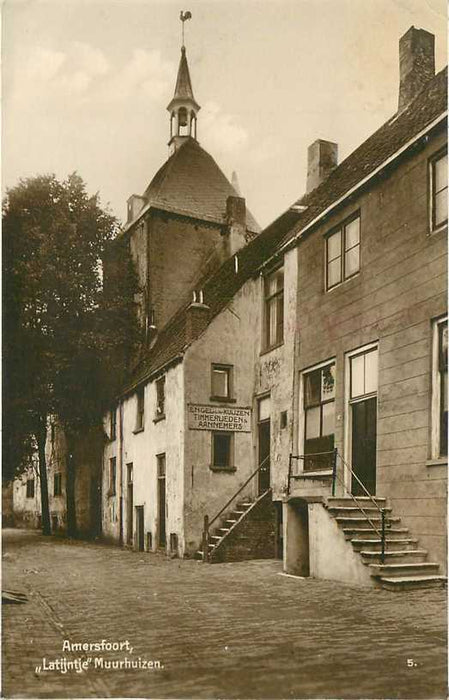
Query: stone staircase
(406, 566)
(246, 532)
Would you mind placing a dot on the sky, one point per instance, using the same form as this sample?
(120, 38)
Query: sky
(86, 84)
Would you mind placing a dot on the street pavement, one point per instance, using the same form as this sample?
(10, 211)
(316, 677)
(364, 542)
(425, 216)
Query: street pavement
(237, 630)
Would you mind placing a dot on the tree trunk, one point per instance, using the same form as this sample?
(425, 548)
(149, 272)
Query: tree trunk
(72, 529)
(41, 437)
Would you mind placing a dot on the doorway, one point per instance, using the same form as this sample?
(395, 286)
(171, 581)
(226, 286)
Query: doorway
(363, 367)
(140, 542)
(129, 504)
(161, 501)
(264, 443)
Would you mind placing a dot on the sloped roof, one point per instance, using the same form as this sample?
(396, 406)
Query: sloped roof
(372, 153)
(220, 287)
(191, 183)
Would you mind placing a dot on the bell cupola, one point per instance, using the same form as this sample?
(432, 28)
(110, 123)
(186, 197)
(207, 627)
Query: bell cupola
(183, 107)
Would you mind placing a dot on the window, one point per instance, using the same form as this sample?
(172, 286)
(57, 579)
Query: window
(439, 389)
(274, 309)
(363, 370)
(30, 488)
(160, 398)
(283, 419)
(222, 450)
(343, 252)
(112, 475)
(140, 417)
(113, 424)
(438, 188)
(319, 410)
(57, 484)
(221, 382)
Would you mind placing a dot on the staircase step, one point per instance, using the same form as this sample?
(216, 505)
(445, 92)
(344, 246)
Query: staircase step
(348, 521)
(337, 501)
(360, 533)
(245, 504)
(406, 556)
(230, 522)
(223, 530)
(354, 512)
(403, 583)
(392, 570)
(372, 545)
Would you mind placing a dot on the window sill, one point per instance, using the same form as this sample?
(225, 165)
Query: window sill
(314, 474)
(159, 418)
(272, 347)
(222, 399)
(138, 430)
(439, 229)
(340, 284)
(438, 462)
(222, 469)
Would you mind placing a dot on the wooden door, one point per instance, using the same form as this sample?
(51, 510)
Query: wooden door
(140, 545)
(364, 433)
(264, 455)
(161, 499)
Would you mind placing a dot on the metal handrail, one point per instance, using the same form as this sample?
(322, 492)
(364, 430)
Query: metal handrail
(335, 453)
(208, 523)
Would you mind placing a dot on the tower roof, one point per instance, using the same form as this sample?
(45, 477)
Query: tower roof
(191, 183)
(183, 89)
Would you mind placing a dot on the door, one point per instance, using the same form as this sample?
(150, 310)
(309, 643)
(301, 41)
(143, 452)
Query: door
(363, 411)
(364, 419)
(263, 434)
(129, 505)
(161, 500)
(139, 529)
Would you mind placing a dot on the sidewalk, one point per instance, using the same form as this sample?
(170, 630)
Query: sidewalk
(220, 631)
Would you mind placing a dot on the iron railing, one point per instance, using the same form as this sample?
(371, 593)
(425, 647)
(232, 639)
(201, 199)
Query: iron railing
(334, 454)
(208, 523)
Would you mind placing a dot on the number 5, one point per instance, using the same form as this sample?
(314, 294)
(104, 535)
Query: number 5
(410, 663)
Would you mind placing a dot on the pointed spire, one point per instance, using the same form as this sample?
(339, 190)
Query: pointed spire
(183, 107)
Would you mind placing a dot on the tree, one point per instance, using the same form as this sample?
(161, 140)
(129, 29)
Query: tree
(62, 333)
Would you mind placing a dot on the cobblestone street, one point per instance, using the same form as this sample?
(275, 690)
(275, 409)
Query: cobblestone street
(221, 631)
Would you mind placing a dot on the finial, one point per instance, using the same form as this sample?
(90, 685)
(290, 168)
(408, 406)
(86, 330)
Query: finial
(184, 16)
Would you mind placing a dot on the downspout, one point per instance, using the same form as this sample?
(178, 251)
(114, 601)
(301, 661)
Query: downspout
(120, 489)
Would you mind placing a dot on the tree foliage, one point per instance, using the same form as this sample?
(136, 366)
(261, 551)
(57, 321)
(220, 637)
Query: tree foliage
(63, 337)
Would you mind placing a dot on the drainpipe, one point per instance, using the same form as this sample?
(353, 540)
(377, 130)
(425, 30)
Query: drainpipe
(120, 470)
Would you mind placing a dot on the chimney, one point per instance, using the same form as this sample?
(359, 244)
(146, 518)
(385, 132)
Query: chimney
(416, 64)
(322, 158)
(197, 316)
(234, 237)
(135, 204)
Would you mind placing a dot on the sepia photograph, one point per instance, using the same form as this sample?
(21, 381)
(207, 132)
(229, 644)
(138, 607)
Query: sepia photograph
(224, 349)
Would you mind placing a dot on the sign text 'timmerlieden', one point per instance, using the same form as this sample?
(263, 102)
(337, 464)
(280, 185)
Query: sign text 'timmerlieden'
(219, 418)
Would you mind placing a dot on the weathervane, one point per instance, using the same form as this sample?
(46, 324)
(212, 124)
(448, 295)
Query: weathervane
(184, 16)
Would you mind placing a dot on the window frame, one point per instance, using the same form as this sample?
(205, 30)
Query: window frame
(113, 424)
(341, 229)
(160, 398)
(437, 394)
(268, 298)
(140, 410)
(305, 408)
(30, 487)
(442, 153)
(229, 369)
(112, 477)
(57, 484)
(220, 467)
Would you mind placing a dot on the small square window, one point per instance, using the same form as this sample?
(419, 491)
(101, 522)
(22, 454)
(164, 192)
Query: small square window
(222, 450)
(343, 252)
(438, 191)
(57, 484)
(160, 398)
(140, 416)
(30, 488)
(283, 419)
(221, 382)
